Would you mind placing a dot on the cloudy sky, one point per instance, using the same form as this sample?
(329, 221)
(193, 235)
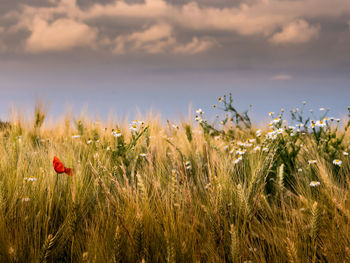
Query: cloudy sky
(165, 54)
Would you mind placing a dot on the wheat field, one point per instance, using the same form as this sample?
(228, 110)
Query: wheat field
(193, 191)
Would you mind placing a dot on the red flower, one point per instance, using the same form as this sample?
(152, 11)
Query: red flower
(60, 168)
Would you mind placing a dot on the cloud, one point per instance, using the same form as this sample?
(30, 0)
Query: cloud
(158, 38)
(262, 18)
(282, 77)
(296, 32)
(154, 39)
(194, 47)
(2, 45)
(62, 34)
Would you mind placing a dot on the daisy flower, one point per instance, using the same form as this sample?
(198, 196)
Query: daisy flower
(133, 127)
(320, 124)
(31, 179)
(199, 111)
(237, 160)
(314, 183)
(258, 132)
(337, 162)
(276, 120)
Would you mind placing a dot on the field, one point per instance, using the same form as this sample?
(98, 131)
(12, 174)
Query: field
(195, 191)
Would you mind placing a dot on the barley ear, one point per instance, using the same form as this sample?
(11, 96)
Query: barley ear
(291, 251)
(234, 244)
(47, 248)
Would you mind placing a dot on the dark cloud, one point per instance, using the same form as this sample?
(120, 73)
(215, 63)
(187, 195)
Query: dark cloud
(221, 48)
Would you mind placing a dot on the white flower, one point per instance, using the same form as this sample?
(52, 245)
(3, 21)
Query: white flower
(276, 120)
(25, 199)
(280, 131)
(143, 154)
(133, 127)
(257, 148)
(258, 133)
(300, 125)
(237, 160)
(251, 140)
(108, 148)
(322, 109)
(337, 162)
(345, 153)
(175, 126)
(271, 113)
(199, 111)
(300, 170)
(31, 179)
(240, 151)
(76, 136)
(89, 141)
(312, 161)
(116, 133)
(291, 127)
(314, 183)
(198, 118)
(265, 149)
(320, 124)
(271, 135)
(188, 165)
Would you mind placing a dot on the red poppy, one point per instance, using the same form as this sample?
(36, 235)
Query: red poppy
(60, 168)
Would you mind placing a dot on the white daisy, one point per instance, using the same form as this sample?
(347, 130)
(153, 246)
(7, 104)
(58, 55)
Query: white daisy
(314, 183)
(337, 162)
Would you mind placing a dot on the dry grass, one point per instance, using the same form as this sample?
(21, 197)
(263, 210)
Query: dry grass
(185, 201)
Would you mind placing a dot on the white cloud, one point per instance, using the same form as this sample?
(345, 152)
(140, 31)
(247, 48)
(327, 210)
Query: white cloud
(282, 77)
(62, 34)
(296, 32)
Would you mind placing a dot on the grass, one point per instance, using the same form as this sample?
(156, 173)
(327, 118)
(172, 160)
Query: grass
(207, 192)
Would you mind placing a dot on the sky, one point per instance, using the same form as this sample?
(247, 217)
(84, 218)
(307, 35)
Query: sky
(128, 56)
